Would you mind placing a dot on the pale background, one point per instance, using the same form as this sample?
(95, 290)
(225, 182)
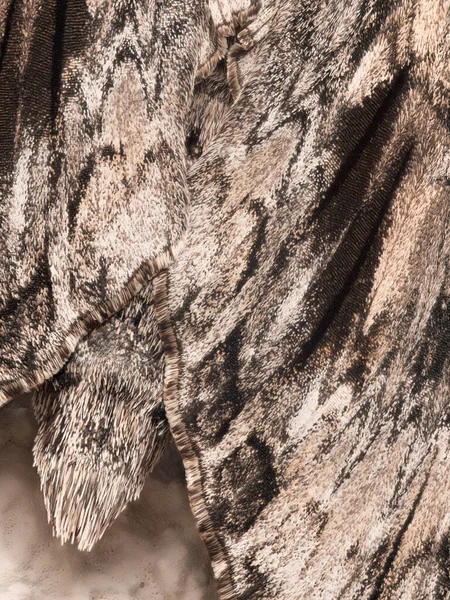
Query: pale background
(152, 552)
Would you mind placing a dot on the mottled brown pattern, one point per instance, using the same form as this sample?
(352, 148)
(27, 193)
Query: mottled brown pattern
(102, 424)
(305, 324)
(310, 309)
(94, 99)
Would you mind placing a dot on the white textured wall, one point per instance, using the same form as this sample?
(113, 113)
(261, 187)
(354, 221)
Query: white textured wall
(151, 552)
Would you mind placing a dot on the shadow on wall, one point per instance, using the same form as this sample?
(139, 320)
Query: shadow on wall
(153, 551)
